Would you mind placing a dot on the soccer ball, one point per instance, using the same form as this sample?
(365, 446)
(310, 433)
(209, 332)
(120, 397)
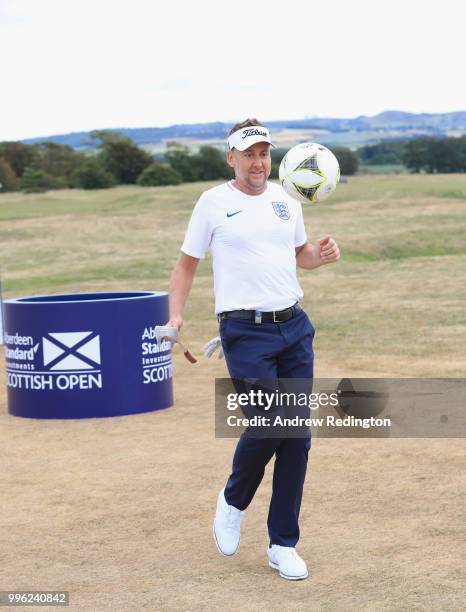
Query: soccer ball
(309, 172)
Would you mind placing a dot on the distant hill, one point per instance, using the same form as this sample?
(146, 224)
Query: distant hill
(389, 120)
(388, 125)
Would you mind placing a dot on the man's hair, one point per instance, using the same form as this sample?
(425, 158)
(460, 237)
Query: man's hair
(243, 124)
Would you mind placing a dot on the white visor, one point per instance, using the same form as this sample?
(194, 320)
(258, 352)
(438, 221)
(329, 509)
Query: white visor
(245, 137)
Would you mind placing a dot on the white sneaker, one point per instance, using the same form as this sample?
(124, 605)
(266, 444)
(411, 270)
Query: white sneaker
(286, 560)
(227, 525)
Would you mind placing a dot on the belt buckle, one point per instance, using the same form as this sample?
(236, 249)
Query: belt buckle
(274, 316)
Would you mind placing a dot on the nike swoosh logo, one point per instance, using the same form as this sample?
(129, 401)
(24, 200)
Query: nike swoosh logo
(233, 213)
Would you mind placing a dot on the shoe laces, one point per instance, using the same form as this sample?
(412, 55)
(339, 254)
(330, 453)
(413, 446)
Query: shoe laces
(290, 552)
(233, 518)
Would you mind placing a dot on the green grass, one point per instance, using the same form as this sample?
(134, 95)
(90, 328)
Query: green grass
(460, 194)
(382, 169)
(408, 244)
(130, 272)
(389, 187)
(117, 201)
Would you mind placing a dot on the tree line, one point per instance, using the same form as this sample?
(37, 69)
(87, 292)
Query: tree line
(117, 160)
(426, 154)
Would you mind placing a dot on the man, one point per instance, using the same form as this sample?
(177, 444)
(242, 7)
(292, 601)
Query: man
(257, 237)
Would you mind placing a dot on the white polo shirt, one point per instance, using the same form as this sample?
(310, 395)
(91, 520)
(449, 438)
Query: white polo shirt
(252, 240)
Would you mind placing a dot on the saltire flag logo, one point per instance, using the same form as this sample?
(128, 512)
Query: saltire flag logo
(71, 351)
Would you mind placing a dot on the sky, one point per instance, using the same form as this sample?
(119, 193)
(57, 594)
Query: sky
(77, 65)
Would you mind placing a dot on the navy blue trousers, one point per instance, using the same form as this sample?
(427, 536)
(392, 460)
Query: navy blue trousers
(270, 351)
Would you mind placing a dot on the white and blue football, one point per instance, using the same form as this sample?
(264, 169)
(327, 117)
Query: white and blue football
(309, 172)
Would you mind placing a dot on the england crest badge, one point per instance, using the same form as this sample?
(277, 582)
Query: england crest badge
(281, 210)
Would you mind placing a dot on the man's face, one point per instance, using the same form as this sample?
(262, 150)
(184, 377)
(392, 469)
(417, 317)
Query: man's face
(252, 167)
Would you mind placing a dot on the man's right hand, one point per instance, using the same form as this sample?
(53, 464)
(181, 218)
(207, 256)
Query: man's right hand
(175, 322)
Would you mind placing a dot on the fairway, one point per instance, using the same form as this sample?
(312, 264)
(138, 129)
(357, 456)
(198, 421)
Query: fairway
(119, 511)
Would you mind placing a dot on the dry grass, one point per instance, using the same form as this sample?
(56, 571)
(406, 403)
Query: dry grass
(118, 511)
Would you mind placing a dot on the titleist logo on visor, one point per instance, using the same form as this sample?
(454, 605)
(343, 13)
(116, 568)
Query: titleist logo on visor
(243, 138)
(254, 132)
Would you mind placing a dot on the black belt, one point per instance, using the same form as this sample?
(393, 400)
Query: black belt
(258, 316)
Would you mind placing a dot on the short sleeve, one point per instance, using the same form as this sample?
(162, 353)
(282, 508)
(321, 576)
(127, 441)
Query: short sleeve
(300, 236)
(199, 232)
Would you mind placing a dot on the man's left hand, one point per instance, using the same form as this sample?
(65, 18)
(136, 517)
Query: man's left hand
(327, 250)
